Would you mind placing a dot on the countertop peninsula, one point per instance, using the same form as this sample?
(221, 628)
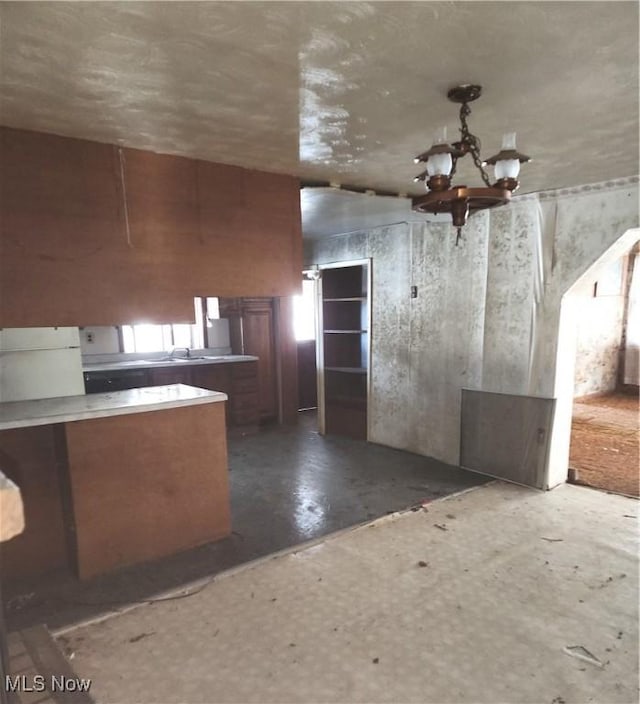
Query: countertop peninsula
(64, 409)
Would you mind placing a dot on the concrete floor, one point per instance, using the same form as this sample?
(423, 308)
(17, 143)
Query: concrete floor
(288, 485)
(499, 594)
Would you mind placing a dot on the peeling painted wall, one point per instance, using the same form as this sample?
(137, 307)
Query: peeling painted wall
(598, 345)
(600, 321)
(423, 350)
(487, 314)
(511, 298)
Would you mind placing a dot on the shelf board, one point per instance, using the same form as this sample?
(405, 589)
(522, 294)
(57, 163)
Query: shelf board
(344, 332)
(342, 300)
(347, 370)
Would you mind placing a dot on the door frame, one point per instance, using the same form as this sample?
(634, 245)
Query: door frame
(367, 262)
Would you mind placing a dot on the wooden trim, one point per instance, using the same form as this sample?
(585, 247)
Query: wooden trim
(320, 333)
(66, 494)
(320, 369)
(286, 360)
(626, 291)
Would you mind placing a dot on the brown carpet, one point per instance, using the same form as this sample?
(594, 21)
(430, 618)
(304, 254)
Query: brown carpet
(604, 443)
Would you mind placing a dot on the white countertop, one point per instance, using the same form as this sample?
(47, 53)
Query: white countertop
(64, 409)
(176, 362)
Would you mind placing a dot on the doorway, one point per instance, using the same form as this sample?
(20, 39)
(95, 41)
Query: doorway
(605, 421)
(343, 348)
(304, 330)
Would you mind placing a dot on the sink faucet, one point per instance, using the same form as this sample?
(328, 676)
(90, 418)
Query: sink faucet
(187, 351)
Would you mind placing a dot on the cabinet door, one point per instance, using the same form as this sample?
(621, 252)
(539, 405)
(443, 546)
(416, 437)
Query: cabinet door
(231, 310)
(214, 377)
(160, 376)
(245, 399)
(258, 336)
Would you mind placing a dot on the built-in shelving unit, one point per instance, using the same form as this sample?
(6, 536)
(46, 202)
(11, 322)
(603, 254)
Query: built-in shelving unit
(344, 332)
(343, 300)
(344, 350)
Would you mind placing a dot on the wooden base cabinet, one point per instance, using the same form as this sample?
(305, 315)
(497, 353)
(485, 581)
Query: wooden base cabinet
(239, 380)
(107, 492)
(161, 376)
(147, 485)
(252, 331)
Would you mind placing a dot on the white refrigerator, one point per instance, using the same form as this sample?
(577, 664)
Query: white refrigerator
(40, 363)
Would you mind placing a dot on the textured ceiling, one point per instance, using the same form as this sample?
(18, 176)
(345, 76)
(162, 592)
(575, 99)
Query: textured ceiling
(328, 211)
(344, 92)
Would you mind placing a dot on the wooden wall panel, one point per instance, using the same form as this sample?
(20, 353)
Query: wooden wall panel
(67, 258)
(162, 203)
(250, 230)
(146, 485)
(217, 230)
(95, 235)
(28, 456)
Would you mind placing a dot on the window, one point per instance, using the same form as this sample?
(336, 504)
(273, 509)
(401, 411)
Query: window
(146, 337)
(304, 325)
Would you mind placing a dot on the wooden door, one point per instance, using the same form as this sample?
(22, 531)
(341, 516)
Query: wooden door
(307, 375)
(258, 340)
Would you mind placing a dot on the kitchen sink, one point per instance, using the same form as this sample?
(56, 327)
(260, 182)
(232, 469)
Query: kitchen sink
(184, 360)
(176, 359)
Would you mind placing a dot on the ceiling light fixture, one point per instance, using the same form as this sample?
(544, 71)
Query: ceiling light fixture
(441, 160)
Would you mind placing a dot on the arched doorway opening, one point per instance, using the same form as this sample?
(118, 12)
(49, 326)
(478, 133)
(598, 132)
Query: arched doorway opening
(580, 368)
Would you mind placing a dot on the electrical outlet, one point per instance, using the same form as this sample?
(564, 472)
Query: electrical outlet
(414, 292)
(89, 337)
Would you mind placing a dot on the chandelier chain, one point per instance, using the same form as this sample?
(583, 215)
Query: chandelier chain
(472, 142)
(458, 201)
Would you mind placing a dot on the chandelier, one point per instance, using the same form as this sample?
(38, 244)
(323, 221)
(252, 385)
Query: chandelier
(441, 160)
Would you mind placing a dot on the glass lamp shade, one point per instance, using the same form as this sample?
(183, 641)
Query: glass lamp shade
(507, 168)
(439, 164)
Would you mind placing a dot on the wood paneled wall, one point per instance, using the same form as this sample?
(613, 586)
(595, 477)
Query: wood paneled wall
(30, 457)
(92, 234)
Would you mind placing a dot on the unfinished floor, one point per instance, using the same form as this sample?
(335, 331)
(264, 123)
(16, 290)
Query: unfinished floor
(500, 594)
(288, 485)
(605, 434)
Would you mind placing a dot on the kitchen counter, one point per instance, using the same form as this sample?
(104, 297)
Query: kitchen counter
(175, 362)
(24, 414)
(107, 483)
